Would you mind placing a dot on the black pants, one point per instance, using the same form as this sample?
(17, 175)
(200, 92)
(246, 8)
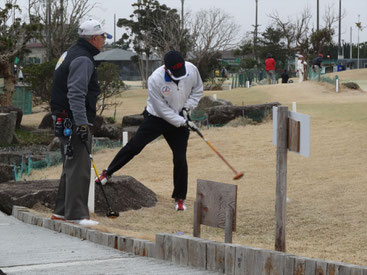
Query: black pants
(151, 128)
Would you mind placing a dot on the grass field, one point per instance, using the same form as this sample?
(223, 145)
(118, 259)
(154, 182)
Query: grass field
(327, 208)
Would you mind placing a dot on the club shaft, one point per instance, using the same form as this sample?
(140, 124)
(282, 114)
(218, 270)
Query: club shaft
(96, 172)
(215, 150)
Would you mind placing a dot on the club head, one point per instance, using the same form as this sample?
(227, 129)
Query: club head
(238, 176)
(112, 214)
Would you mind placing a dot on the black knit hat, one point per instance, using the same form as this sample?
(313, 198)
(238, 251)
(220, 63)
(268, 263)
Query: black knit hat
(175, 64)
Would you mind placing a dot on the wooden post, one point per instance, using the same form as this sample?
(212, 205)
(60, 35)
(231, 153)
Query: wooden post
(228, 225)
(281, 178)
(197, 217)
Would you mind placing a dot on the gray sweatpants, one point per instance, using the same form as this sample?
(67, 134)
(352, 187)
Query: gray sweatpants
(72, 196)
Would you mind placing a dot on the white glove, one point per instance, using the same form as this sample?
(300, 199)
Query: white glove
(191, 125)
(185, 113)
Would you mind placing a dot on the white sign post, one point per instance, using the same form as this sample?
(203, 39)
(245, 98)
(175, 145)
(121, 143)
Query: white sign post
(291, 131)
(91, 195)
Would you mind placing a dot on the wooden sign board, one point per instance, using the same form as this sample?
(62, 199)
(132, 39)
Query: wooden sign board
(215, 198)
(298, 132)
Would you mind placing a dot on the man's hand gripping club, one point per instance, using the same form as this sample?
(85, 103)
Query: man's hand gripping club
(189, 124)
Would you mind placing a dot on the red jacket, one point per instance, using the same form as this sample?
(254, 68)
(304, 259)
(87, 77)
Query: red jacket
(270, 64)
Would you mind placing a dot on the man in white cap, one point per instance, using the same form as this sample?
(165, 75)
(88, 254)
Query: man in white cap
(73, 105)
(174, 89)
(301, 68)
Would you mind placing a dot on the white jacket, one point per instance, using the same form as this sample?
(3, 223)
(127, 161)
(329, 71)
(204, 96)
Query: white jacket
(166, 99)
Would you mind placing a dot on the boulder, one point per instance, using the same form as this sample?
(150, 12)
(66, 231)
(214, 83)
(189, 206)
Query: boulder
(207, 102)
(47, 122)
(111, 131)
(6, 172)
(124, 193)
(130, 131)
(8, 109)
(224, 114)
(132, 120)
(7, 127)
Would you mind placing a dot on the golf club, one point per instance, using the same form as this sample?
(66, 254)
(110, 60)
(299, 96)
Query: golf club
(237, 175)
(110, 213)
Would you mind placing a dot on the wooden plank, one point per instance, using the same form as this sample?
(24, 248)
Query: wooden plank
(294, 134)
(321, 267)
(289, 264)
(159, 246)
(310, 267)
(299, 266)
(215, 198)
(228, 225)
(180, 250)
(281, 178)
(240, 262)
(198, 252)
(197, 217)
(230, 258)
(215, 259)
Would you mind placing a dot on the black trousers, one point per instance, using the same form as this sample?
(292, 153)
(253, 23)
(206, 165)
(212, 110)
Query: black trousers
(151, 128)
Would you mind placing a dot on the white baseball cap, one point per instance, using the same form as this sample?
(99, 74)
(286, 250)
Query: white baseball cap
(92, 27)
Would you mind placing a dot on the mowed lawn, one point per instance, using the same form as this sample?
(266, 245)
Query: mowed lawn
(327, 208)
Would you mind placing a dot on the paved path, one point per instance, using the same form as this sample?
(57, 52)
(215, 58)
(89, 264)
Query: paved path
(29, 249)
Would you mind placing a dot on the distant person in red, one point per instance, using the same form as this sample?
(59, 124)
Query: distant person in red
(270, 68)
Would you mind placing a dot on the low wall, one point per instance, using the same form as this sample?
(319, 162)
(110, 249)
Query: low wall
(200, 253)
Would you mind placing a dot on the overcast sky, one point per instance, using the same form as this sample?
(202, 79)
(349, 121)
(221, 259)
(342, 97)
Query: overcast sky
(243, 12)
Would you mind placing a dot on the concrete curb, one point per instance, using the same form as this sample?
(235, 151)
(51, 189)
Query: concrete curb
(199, 253)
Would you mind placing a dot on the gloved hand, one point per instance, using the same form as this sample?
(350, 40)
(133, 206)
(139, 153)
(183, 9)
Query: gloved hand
(191, 125)
(185, 113)
(83, 131)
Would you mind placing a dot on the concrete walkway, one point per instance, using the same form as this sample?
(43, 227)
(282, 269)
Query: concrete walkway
(29, 249)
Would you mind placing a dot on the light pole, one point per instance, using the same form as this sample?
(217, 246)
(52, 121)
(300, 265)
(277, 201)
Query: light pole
(182, 13)
(318, 15)
(255, 33)
(340, 26)
(359, 27)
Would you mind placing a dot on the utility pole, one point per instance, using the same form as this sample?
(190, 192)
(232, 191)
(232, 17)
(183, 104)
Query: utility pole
(114, 27)
(255, 33)
(340, 27)
(359, 26)
(318, 15)
(351, 43)
(182, 14)
(48, 24)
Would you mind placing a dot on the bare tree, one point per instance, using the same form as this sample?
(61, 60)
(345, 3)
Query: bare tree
(212, 31)
(61, 19)
(14, 34)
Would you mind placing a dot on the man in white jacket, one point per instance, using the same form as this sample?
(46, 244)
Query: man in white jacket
(174, 89)
(301, 68)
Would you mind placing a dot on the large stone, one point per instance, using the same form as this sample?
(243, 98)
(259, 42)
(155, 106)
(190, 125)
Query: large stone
(47, 122)
(226, 113)
(124, 193)
(132, 120)
(8, 109)
(6, 172)
(7, 127)
(207, 102)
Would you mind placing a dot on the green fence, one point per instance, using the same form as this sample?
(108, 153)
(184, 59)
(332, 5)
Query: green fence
(250, 75)
(22, 98)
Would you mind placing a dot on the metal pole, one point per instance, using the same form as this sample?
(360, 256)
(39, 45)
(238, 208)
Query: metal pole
(182, 14)
(340, 26)
(351, 43)
(255, 34)
(114, 27)
(358, 44)
(318, 15)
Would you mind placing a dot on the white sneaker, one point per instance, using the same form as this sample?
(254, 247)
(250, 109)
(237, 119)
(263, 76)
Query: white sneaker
(87, 222)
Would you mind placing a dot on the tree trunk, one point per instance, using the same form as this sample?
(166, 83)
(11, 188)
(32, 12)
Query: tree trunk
(6, 71)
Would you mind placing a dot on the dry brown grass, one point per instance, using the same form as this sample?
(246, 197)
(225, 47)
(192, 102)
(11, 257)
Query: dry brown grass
(327, 191)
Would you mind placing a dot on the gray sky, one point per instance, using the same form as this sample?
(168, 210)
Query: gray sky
(243, 12)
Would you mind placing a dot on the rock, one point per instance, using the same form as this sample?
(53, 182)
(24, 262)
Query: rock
(207, 102)
(7, 127)
(6, 172)
(47, 122)
(133, 120)
(226, 113)
(8, 109)
(54, 145)
(351, 85)
(124, 193)
(111, 131)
